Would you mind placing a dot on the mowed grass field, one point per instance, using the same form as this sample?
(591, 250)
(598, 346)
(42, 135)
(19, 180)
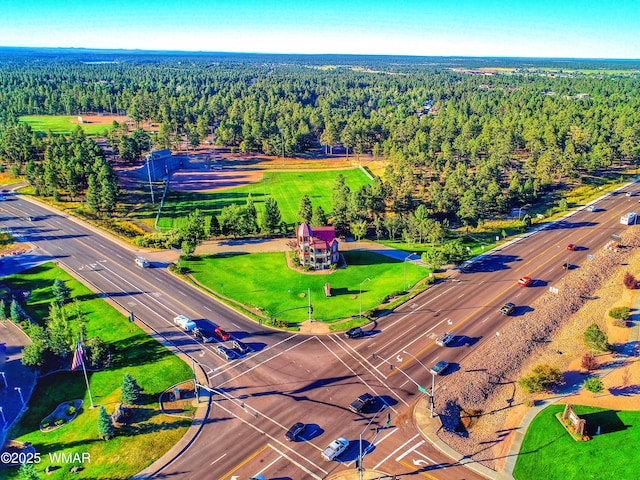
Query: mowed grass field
(263, 280)
(61, 124)
(549, 452)
(285, 187)
(133, 351)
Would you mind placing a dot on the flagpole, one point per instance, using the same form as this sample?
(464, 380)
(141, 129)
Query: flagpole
(87, 380)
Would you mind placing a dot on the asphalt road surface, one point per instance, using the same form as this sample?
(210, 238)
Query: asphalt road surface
(292, 378)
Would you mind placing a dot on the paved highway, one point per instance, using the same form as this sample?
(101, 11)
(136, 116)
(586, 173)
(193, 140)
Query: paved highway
(291, 378)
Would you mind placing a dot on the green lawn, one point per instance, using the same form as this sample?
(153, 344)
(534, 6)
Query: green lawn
(548, 451)
(264, 280)
(61, 125)
(134, 352)
(285, 187)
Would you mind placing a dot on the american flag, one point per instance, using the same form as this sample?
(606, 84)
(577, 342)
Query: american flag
(78, 357)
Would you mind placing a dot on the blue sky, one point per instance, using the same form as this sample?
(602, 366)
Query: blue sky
(561, 28)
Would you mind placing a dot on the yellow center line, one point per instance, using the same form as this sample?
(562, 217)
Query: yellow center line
(413, 467)
(244, 462)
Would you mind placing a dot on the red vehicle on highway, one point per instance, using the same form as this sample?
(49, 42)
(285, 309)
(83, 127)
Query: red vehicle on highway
(525, 282)
(571, 247)
(221, 334)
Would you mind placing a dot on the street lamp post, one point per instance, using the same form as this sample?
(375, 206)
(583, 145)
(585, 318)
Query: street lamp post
(360, 296)
(4, 379)
(360, 454)
(282, 141)
(405, 270)
(4, 420)
(20, 393)
(433, 380)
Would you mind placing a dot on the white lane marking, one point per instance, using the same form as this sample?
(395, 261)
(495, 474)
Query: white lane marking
(417, 435)
(422, 442)
(207, 308)
(218, 459)
(221, 406)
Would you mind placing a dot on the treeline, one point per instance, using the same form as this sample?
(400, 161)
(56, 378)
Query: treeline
(57, 166)
(466, 146)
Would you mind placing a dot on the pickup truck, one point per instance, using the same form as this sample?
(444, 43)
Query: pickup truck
(360, 403)
(184, 323)
(335, 448)
(444, 339)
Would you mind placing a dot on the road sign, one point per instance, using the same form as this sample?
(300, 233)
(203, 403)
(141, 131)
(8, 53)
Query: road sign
(422, 389)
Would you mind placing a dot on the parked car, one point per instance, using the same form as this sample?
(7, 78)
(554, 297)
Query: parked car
(356, 332)
(184, 323)
(221, 334)
(225, 352)
(439, 367)
(203, 335)
(241, 348)
(592, 208)
(445, 339)
(294, 432)
(335, 448)
(360, 403)
(508, 308)
(629, 194)
(571, 247)
(525, 282)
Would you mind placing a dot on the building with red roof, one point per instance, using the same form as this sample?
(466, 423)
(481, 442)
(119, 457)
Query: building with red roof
(317, 247)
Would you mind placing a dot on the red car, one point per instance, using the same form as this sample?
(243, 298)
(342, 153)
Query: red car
(571, 246)
(221, 334)
(524, 282)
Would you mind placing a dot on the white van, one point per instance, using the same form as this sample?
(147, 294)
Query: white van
(142, 262)
(184, 323)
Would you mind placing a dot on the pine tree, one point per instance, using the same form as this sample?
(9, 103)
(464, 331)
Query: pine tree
(15, 311)
(272, 216)
(60, 291)
(305, 210)
(252, 215)
(319, 218)
(3, 311)
(27, 471)
(93, 194)
(130, 390)
(105, 427)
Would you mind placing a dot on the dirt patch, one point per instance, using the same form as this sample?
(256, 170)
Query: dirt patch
(99, 119)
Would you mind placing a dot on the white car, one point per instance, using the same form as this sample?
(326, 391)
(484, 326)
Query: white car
(335, 448)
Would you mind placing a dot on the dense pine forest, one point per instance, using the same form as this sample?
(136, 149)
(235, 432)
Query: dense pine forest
(468, 139)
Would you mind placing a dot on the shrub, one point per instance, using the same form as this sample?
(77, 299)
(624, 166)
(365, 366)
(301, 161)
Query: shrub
(619, 313)
(541, 378)
(595, 339)
(46, 424)
(630, 281)
(58, 421)
(594, 385)
(70, 411)
(589, 361)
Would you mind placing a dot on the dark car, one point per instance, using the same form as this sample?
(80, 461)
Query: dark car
(225, 352)
(294, 432)
(221, 334)
(360, 403)
(508, 309)
(356, 332)
(203, 335)
(439, 367)
(241, 348)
